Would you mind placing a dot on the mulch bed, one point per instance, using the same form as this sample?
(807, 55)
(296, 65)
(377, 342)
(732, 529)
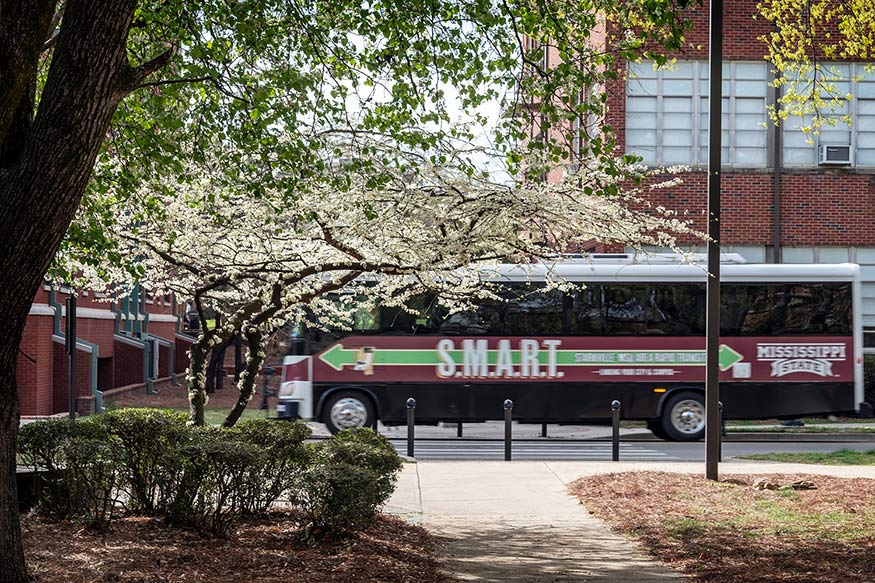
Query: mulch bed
(168, 396)
(729, 532)
(144, 550)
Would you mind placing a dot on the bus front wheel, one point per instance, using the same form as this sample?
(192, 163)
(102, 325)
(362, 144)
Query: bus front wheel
(348, 409)
(683, 417)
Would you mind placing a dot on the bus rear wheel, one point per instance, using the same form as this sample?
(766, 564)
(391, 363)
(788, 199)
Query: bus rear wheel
(683, 417)
(347, 410)
(655, 427)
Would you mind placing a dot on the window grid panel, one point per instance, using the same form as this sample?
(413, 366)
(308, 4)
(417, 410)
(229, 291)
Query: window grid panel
(681, 117)
(801, 149)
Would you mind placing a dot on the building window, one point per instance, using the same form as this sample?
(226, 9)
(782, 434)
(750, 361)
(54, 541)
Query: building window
(800, 147)
(667, 113)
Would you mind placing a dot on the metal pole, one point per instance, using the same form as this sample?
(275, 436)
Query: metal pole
(411, 419)
(508, 436)
(712, 333)
(71, 350)
(615, 430)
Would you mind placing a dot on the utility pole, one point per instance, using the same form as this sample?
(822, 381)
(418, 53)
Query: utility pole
(712, 322)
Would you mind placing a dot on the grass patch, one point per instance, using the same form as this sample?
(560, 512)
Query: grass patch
(842, 457)
(729, 532)
(732, 428)
(806, 420)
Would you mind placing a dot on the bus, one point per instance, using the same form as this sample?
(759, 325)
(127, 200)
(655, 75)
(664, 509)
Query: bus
(630, 330)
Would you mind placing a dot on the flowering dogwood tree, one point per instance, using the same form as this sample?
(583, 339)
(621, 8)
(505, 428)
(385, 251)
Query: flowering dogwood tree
(383, 235)
(98, 96)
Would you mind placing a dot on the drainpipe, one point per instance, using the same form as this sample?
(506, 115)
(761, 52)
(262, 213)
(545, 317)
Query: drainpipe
(124, 310)
(778, 157)
(145, 326)
(134, 317)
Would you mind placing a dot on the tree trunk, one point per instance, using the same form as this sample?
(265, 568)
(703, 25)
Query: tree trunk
(45, 165)
(11, 548)
(197, 394)
(254, 359)
(216, 366)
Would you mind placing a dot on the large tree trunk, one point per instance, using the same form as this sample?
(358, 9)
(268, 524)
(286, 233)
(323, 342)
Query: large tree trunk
(45, 165)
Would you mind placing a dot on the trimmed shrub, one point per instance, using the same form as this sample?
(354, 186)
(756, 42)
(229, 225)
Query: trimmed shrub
(351, 477)
(278, 470)
(208, 486)
(149, 460)
(95, 475)
(44, 445)
(147, 437)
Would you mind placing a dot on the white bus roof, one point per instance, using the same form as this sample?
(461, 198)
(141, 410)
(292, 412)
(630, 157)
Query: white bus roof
(582, 270)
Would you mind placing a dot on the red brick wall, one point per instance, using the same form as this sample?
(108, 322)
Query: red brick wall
(96, 331)
(127, 364)
(163, 361)
(61, 373)
(828, 208)
(166, 330)
(181, 354)
(34, 379)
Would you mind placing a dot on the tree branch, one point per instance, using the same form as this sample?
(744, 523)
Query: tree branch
(54, 30)
(135, 76)
(174, 81)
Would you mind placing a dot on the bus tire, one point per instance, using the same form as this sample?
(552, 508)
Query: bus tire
(655, 427)
(683, 417)
(346, 410)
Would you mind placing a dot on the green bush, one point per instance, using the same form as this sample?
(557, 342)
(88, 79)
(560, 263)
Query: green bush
(222, 492)
(148, 438)
(365, 447)
(149, 460)
(278, 470)
(44, 445)
(350, 478)
(220, 473)
(186, 470)
(209, 486)
(94, 475)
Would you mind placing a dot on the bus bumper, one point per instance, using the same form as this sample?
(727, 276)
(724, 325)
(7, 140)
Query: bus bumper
(288, 409)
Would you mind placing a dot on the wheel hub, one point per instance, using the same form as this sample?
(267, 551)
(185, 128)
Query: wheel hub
(348, 413)
(688, 416)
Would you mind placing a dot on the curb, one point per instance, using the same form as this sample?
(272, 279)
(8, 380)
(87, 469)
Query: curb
(777, 436)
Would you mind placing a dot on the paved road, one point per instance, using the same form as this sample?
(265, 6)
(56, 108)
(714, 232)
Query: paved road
(468, 449)
(574, 450)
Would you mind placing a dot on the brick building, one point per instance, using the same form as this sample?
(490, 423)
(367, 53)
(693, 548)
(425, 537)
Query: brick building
(133, 342)
(780, 201)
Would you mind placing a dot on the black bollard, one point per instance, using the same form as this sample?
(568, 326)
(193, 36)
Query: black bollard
(508, 436)
(459, 429)
(543, 430)
(722, 432)
(615, 430)
(411, 413)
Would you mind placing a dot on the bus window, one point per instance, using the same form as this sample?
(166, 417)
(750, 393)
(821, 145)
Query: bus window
(785, 309)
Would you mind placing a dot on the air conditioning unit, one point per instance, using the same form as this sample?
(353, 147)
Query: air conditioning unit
(834, 155)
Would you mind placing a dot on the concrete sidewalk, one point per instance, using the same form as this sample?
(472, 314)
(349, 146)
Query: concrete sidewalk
(515, 521)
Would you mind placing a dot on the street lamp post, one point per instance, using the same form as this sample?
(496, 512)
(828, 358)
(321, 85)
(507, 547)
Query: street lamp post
(712, 332)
